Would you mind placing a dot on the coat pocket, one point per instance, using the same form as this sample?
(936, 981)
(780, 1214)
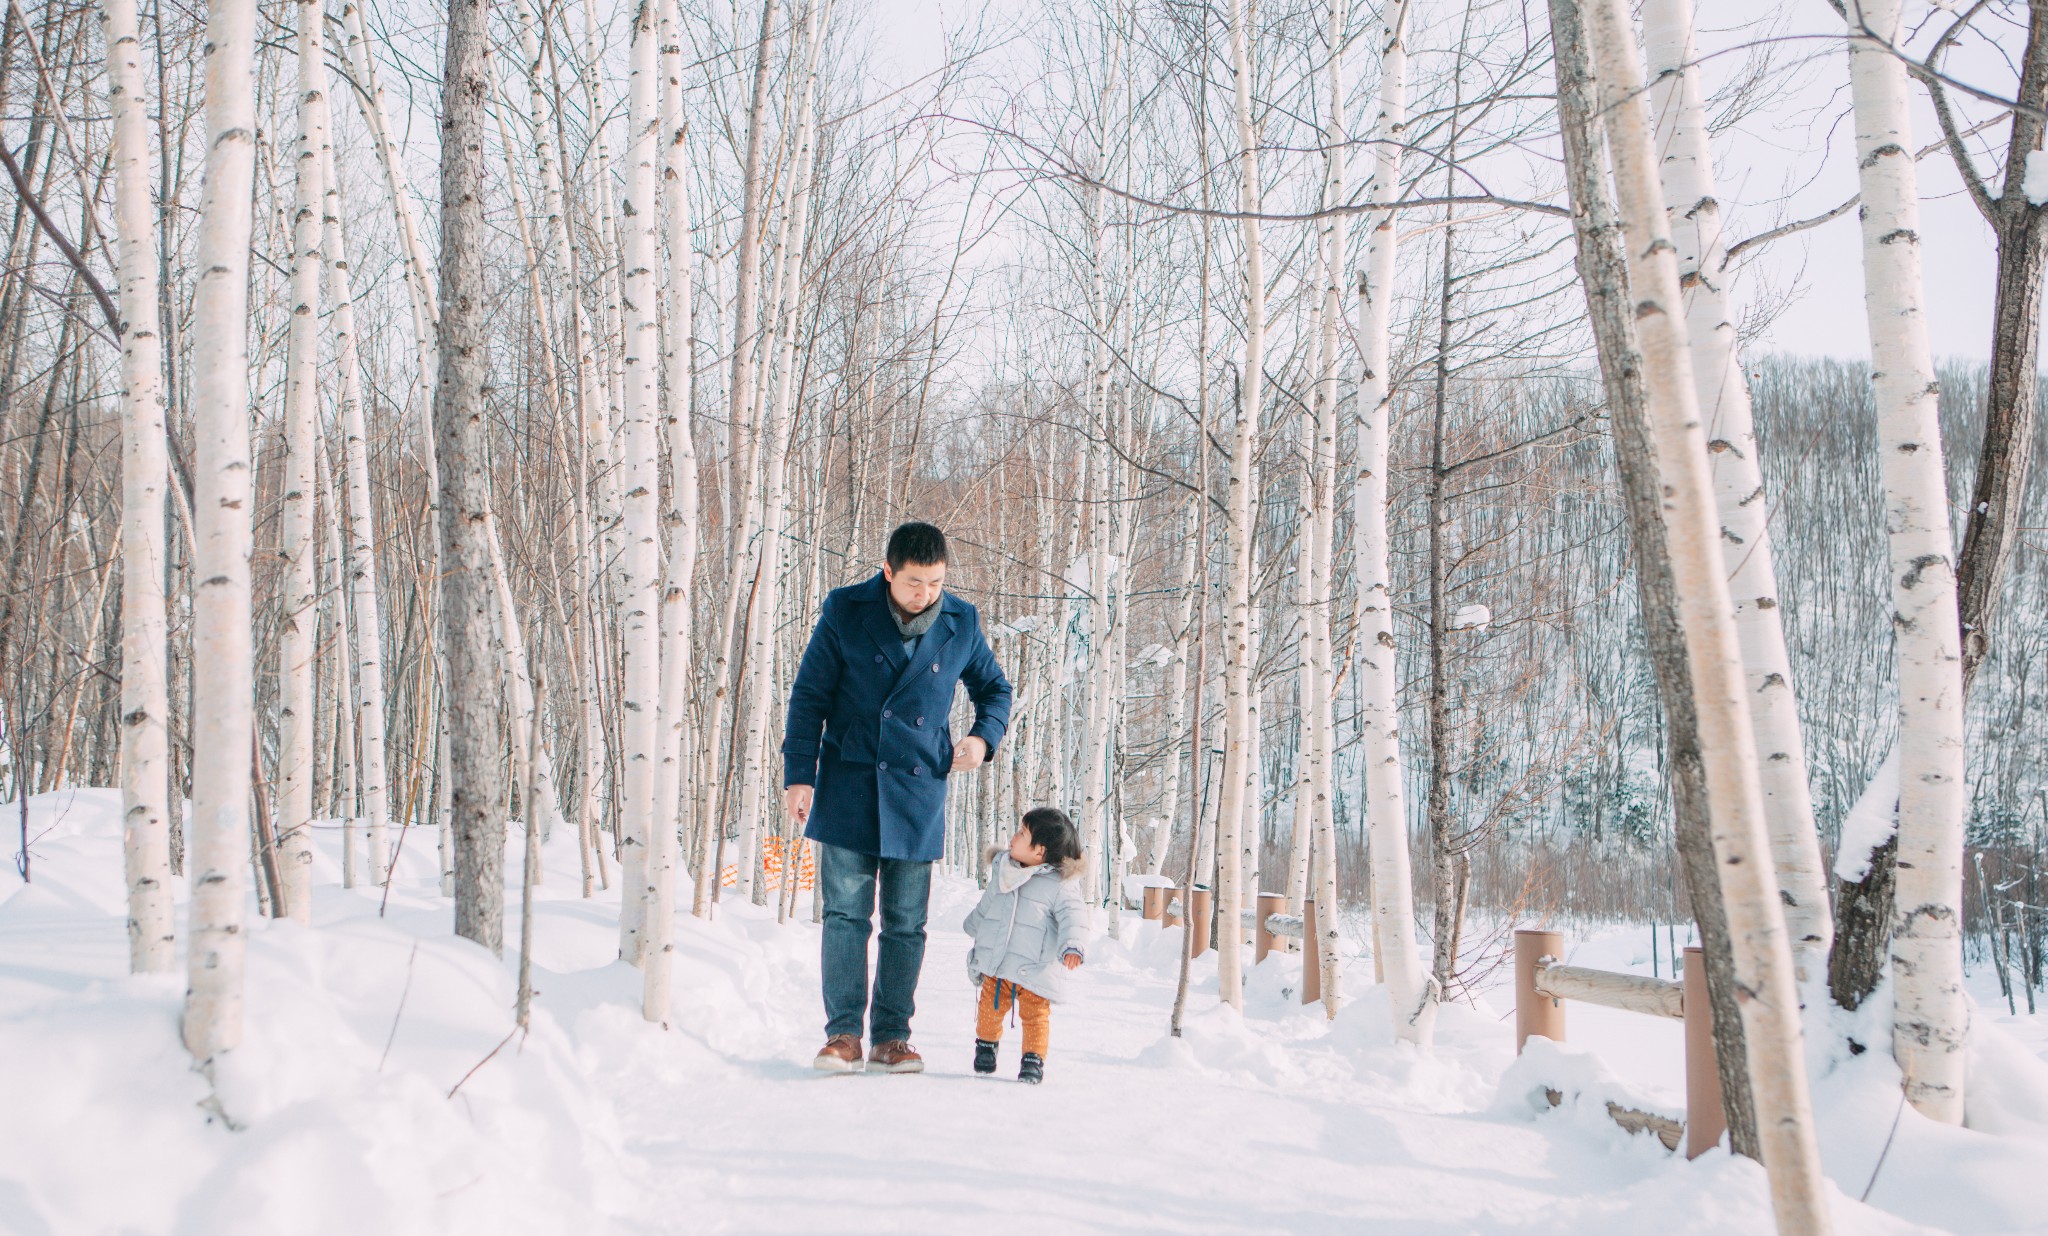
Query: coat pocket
(853, 741)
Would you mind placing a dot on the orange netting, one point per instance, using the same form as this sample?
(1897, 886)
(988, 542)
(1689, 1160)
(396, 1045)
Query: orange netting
(772, 853)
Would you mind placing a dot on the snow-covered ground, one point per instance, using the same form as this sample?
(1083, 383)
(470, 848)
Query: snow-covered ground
(1270, 1121)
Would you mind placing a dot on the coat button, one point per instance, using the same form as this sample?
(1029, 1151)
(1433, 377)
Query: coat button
(920, 720)
(935, 667)
(883, 767)
(878, 658)
(886, 714)
(917, 772)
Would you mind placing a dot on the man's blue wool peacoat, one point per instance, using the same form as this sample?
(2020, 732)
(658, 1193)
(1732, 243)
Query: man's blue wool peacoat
(867, 725)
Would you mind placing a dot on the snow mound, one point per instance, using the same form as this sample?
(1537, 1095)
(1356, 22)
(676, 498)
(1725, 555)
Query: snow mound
(334, 1113)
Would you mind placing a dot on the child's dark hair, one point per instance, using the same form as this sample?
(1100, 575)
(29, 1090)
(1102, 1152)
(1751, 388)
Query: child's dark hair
(1050, 827)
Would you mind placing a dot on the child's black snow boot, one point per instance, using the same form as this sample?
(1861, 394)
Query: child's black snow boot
(984, 1056)
(1032, 1070)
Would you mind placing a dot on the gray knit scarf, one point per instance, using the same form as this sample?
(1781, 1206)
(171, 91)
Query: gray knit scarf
(916, 627)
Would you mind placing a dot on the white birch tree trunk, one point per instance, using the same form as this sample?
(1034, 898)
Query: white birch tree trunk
(296, 642)
(605, 267)
(366, 647)
(678, 364)
(223, 720)
(1689, 195)
(1177, 704)
(1235, 815)
(1762, 952)
(1303, 837)
(145, 463)
(1322, 525)
(640, 534)
(345, 798)
(1094, 490)
(1251, 872)
(539, 780)
(1094, 737)
(739, 404)
(588, 414)
(761, 627)
(1412, 995)
(1930, 1015)
(426, 315)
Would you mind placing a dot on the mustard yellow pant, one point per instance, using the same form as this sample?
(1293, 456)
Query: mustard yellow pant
(1035, 1011)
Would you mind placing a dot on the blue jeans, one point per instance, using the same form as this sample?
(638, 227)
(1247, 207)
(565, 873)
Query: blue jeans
(850, 880)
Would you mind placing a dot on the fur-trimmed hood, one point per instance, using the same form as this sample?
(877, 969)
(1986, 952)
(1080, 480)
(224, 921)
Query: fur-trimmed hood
(1069, 868)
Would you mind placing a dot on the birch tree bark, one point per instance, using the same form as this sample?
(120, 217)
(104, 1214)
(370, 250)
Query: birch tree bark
(145, 464)
(1237, 742)
(739, 402)
(366, 647)
(300, 619)
(588, 413)
(1095, 490)
(528, 731)
(1323, 527)
(476, 787)
(640, 539)
(425, 318)
(1930, 1015)
(765, 619)
(223, 721)
(1601, 265)
(1723, 393)
(1760, 947)
(1412, 997)
(678, 367)
(1177, 702)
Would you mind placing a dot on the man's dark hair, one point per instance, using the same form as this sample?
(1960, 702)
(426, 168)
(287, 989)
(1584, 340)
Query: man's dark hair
(1051, 828)
(917, 544)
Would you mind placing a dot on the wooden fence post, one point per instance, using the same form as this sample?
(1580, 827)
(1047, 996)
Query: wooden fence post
(1311, 955)
(1269, 905)
(1202, 913)
(1536, 1013)
(1705, 1121)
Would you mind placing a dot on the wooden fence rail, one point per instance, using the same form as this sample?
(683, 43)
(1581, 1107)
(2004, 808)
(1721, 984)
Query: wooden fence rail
(1543, 983)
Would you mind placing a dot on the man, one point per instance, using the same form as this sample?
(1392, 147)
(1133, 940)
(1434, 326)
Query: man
(866, 753)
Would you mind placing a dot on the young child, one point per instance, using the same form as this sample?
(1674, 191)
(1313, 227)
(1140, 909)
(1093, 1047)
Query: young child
(1027, 932)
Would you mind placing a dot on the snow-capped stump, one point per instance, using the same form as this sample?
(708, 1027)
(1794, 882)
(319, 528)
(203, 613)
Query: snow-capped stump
(1471, 618)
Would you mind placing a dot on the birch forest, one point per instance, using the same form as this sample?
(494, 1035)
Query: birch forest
(1375, 435)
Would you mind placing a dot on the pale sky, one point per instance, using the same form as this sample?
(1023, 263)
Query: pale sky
(1801, 135)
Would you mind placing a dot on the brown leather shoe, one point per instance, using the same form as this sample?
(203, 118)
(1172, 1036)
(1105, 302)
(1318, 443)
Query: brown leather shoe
(840, 1054)
(895, 1056)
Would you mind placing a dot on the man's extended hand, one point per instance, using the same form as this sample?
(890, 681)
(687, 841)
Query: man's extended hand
(970, 753)
(796, 800)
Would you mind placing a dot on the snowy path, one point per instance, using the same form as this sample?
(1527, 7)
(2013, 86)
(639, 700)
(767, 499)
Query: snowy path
(1272, 1122)
(1269, 1121)
(1117, 1140)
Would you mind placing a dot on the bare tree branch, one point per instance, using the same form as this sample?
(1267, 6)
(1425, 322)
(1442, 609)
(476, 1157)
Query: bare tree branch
(56, 234)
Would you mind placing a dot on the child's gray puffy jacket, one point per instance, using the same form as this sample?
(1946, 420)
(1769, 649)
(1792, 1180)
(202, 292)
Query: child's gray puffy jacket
(1027, 919)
